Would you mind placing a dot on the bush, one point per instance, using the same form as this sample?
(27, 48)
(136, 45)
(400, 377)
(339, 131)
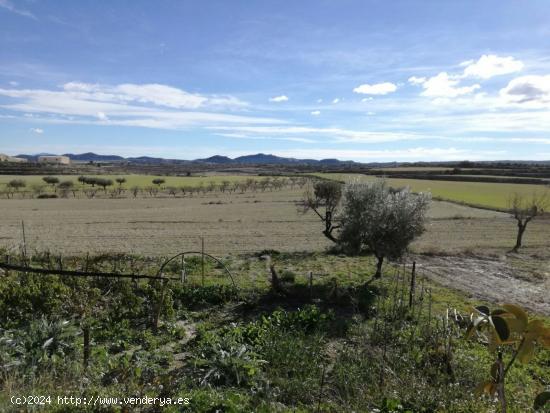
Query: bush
(287, 276)
(46, 196)
(187, 296)
(381, 221)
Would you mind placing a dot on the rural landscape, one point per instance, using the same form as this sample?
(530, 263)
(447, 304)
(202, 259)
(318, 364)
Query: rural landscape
(250, 307)
(334, 206)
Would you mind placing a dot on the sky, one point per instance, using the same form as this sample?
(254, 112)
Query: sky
(363, 80)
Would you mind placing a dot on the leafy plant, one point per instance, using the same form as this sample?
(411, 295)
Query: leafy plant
(508, 325)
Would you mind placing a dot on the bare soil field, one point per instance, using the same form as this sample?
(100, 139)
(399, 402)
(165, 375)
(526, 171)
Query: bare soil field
(464, 248)
(230, 224)
(515, 279)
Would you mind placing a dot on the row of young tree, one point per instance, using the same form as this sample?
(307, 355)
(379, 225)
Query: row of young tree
(89, 186)
(377, 219)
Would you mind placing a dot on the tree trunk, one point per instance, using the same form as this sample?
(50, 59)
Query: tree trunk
(379, 266)
(328, 233)
(328, 226)
(521, 230)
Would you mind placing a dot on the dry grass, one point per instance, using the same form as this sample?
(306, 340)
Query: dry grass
(230, 223)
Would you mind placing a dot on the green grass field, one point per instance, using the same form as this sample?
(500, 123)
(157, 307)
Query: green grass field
(492, 195)
(136, 180)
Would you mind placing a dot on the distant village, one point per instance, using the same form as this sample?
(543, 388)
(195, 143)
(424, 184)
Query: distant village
(45, 159)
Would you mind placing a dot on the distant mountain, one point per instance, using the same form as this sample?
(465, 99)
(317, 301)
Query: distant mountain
(256, 159)
(33, 158)
(269, 159)
(261, 158)
(90, 156)
(215, 159)
(151, 160)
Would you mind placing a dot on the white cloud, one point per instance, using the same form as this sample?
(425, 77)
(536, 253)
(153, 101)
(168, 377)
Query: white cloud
(13, 83)
(376, 89)
(467, 62)
(316, 112)
(152, 93)
(414, 80)
(6, 4)
(102, 116)
(335, 100)
(319, 100)
(278, 99)
(529, 90)
(333, 134)
(160, 95)
(444, 85)
(37, 130)
(149, 105)
(489, 66)
(367, 99)
(407, 154)
(265, 138)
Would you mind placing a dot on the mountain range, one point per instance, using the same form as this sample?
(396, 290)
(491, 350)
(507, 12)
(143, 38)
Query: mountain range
(259, 158)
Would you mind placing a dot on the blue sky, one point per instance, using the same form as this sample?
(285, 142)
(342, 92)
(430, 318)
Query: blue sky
(366, 80)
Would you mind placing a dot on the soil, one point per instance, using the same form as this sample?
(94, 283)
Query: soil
(510, 278)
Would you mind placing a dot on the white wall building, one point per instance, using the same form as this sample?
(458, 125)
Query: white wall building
(54, 159)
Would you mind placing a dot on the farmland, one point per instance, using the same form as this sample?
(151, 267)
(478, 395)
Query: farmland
(230, 224)
(140, 180)
(490, 195)
(313, 340)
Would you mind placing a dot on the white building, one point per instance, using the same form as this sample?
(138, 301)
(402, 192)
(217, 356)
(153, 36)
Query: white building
(7, 158)
(54, 159)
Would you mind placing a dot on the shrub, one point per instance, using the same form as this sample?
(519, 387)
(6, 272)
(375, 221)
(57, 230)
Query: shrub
(287, 276)
(51, 180)
(378, 220)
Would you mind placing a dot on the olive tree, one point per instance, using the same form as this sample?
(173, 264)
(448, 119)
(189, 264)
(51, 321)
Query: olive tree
(120, 181)
(65, 187)
(14, 185)
(104, 183)
(323, 199)
(51, 180)
(525, 209)
(17, 184)
(378, 220)
(88, 180)
(158, 181)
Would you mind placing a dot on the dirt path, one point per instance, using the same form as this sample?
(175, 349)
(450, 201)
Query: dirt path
(511, 279)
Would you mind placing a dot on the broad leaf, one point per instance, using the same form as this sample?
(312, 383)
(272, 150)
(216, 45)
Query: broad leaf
(526, 352)
(501, 328)
(517, 311)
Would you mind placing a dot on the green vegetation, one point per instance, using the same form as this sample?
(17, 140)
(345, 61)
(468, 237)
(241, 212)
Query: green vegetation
(508, 326)
(490, 195)
(149, 186)
(331, 343)
(381, 221)
(138, 180)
